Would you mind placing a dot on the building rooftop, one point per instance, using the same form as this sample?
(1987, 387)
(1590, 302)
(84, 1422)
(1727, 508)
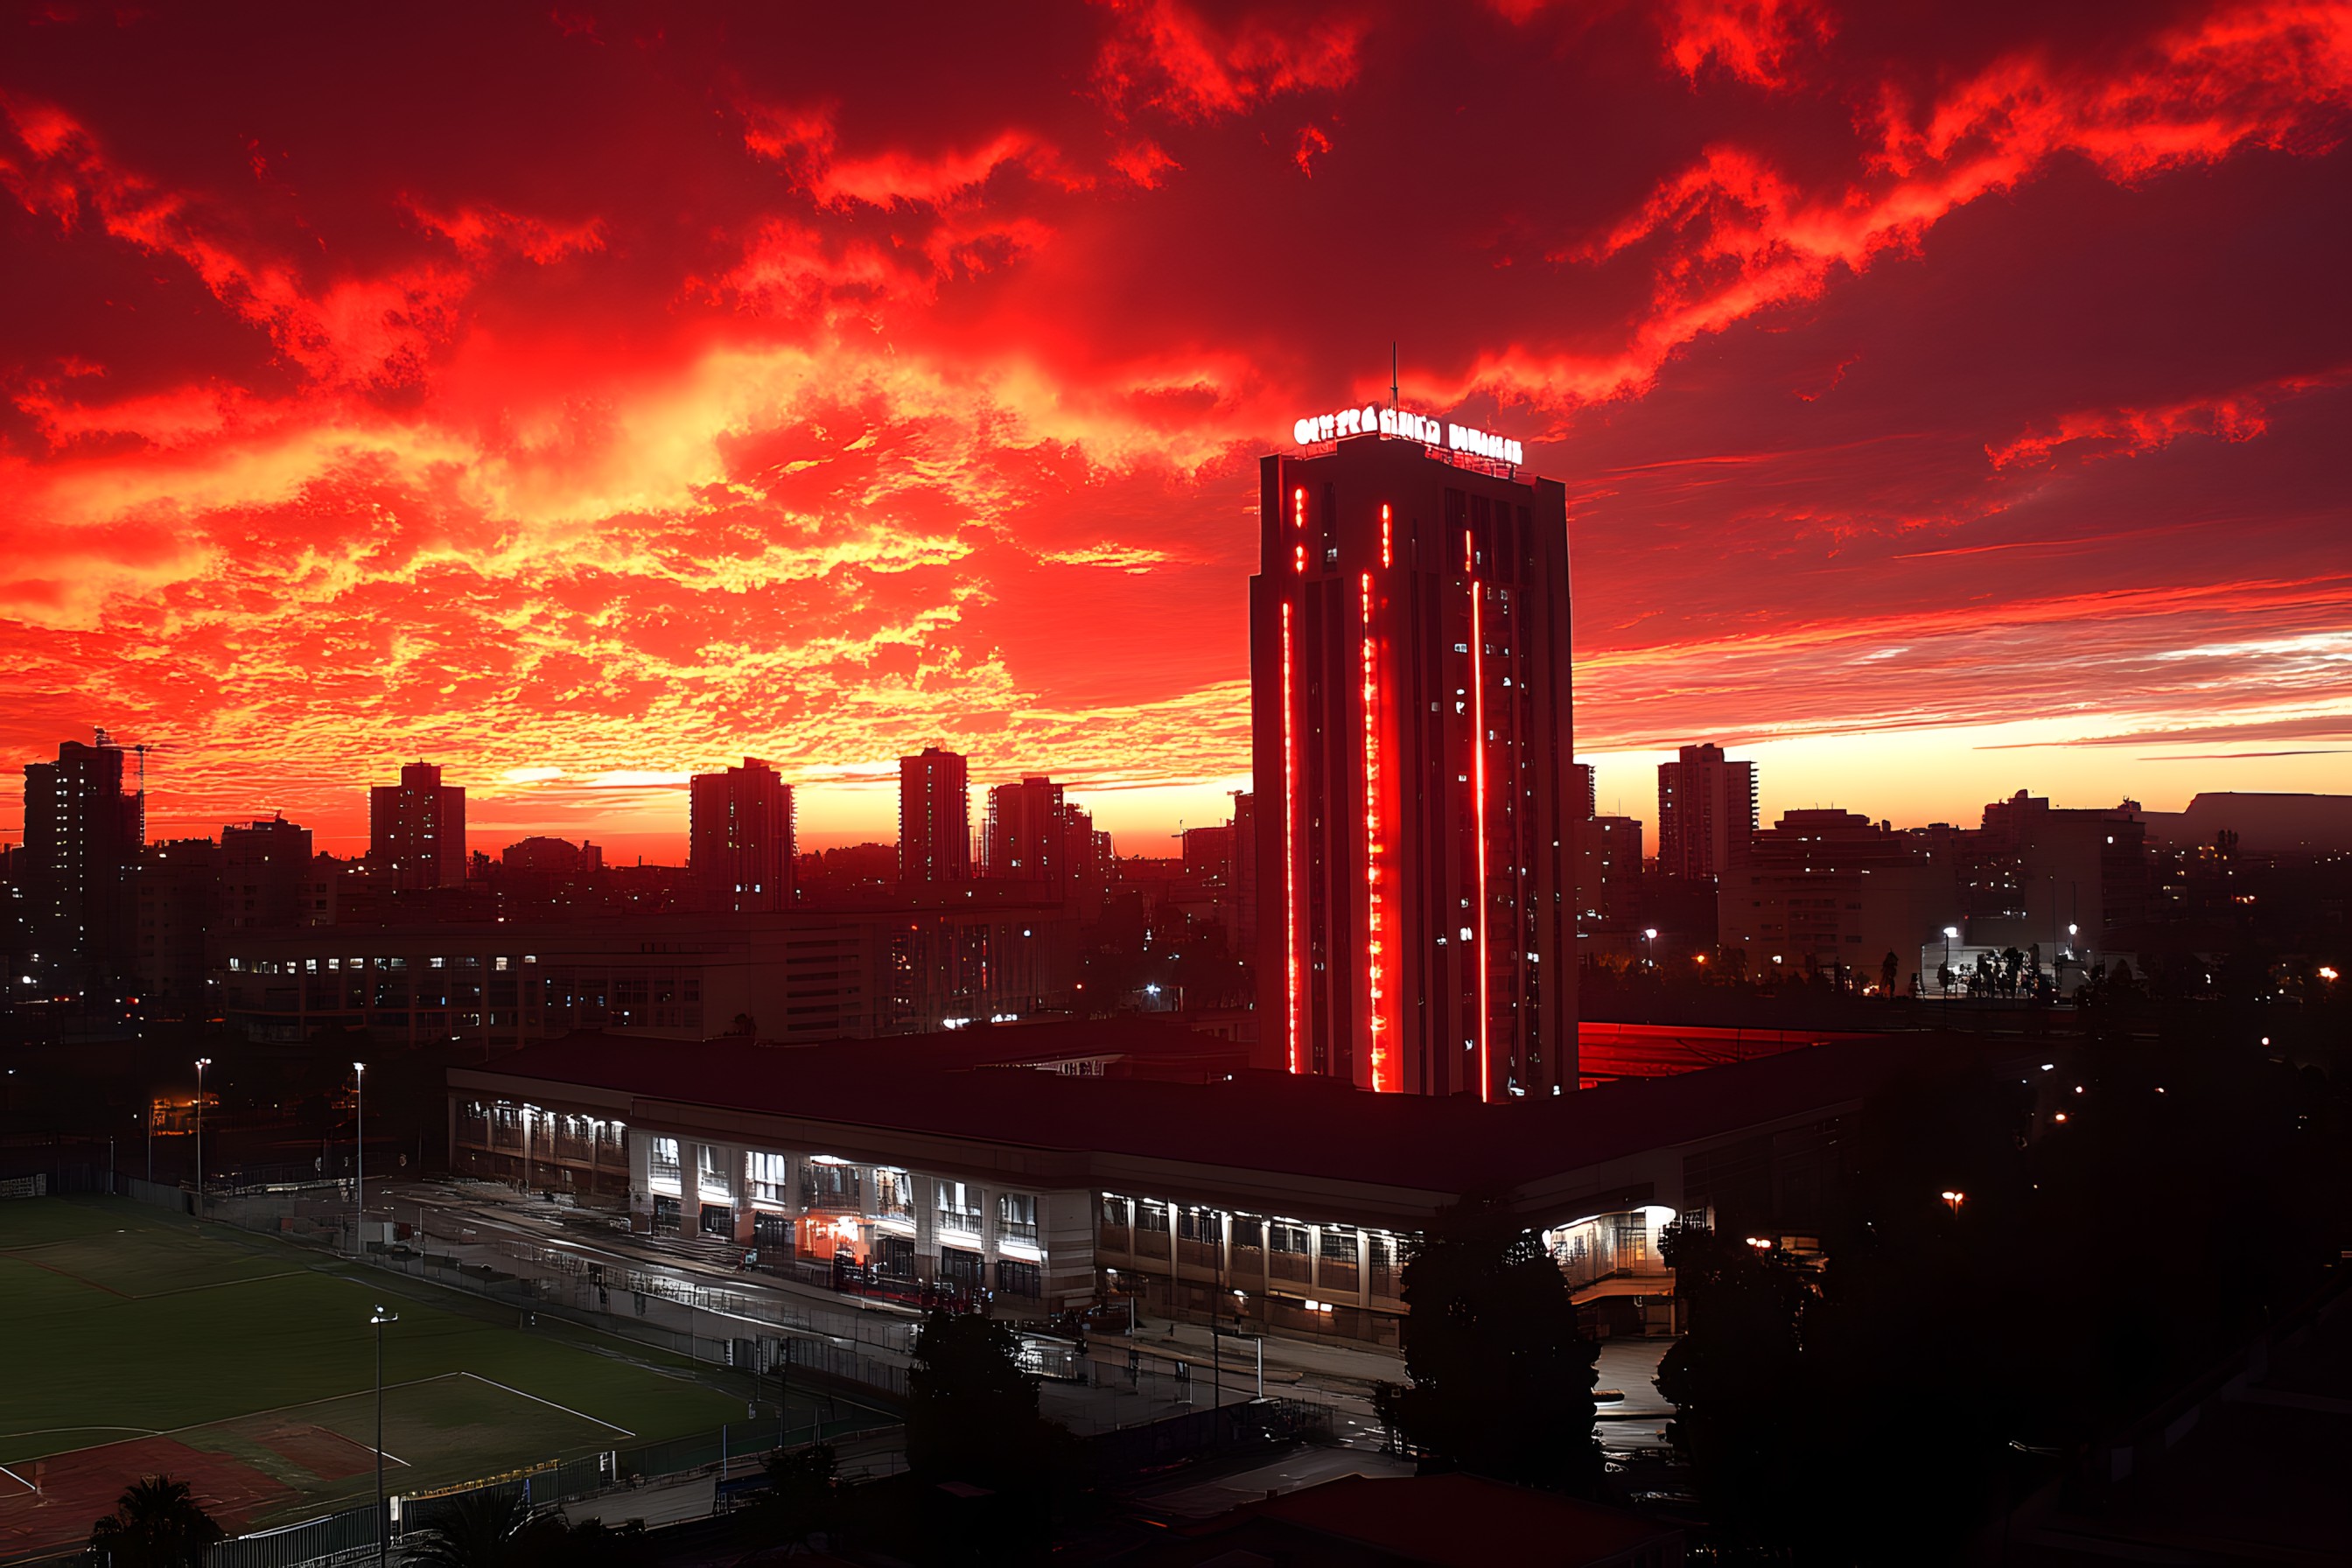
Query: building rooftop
(1445, 1522)
(984, 1086)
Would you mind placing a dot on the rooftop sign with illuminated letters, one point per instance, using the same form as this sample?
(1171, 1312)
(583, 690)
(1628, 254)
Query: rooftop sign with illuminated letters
(1373, 419)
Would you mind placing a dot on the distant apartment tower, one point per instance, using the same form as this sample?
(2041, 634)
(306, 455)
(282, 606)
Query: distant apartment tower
(2056, 877)
(1581, 794)
(1707, 813)
(934, 818)
(1608, 871)
(739, 838)
(1245, 901)
(266, 875)
(1028, 837)
(1411, 705)
(179, 903)
(82, 840)
(1832, 892)
(541, 856)
(416, 830)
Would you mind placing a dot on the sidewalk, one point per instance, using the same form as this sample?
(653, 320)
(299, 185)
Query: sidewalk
(1341, 1376)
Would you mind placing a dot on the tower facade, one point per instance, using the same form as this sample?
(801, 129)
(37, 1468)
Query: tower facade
(416, 830)
(82, 841)
(1707, 813)
(739, 838)
(1411, 723)
(1027, 832)
(265, 872)
(934, 818)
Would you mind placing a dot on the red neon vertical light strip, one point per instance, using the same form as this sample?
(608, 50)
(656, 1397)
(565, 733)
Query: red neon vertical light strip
(1478, 804)
(1375, 939)
(1387, 552)
(1290, 794)
(1289, 842)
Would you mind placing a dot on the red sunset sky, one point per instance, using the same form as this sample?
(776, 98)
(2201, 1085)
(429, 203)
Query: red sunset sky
(1951, 399)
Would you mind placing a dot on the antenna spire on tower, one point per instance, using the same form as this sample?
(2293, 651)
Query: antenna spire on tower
(1393, 373)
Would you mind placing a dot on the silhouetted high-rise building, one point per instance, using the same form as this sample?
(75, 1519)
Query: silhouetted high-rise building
(1410, 700)
(1707, 813)
(1027, 833)
(934, 818)
(416, 830)
(265, 874)
(739, 838)
(1245, 904)
(1608, 872)
(179, 904)
(82, 838)
(1581, 795)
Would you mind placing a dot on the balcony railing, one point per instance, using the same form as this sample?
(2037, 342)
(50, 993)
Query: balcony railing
(836, 1201)
(1017, 1230)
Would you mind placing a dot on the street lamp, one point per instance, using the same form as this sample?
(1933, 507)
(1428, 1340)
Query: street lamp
(202, 1063)
(1953, 1200)
(1950, 934)
(379, 1321)
(359, 1161)
(1649, 946)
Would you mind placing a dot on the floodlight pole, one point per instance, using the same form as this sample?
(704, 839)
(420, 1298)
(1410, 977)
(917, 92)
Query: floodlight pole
(358, 1165)
(202, 1063)
(382, 1534)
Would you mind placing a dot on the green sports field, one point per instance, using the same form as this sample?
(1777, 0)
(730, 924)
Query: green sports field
(136, 1342)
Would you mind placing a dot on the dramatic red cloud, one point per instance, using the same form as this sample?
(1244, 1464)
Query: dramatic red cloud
(582, 399)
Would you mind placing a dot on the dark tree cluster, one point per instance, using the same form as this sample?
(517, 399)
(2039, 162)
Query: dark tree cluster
(496, 1528)
(1501, 1376)
(2019, 1268)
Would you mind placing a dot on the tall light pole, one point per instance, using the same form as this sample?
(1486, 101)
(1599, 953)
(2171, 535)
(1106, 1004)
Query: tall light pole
(382, 1534)
(202, 1063)
(358, 1162)
(1949, 932)
(1649, 946)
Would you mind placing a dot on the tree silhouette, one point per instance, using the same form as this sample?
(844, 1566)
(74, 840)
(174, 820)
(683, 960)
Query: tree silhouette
(156, 1523)
(803, 1499)
(1502, 1379)
(971, 1412)
(1738, 1381)
(494, 1528)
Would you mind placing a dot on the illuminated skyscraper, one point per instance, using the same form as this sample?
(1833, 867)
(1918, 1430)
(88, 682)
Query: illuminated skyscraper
(934, 818)
(416, 830)
(738, 846)
(1409, 685)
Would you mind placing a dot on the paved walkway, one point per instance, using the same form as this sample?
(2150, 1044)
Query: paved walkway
(1339, 1375)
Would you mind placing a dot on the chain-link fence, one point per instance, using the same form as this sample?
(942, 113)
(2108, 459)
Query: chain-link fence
(737, 1449)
